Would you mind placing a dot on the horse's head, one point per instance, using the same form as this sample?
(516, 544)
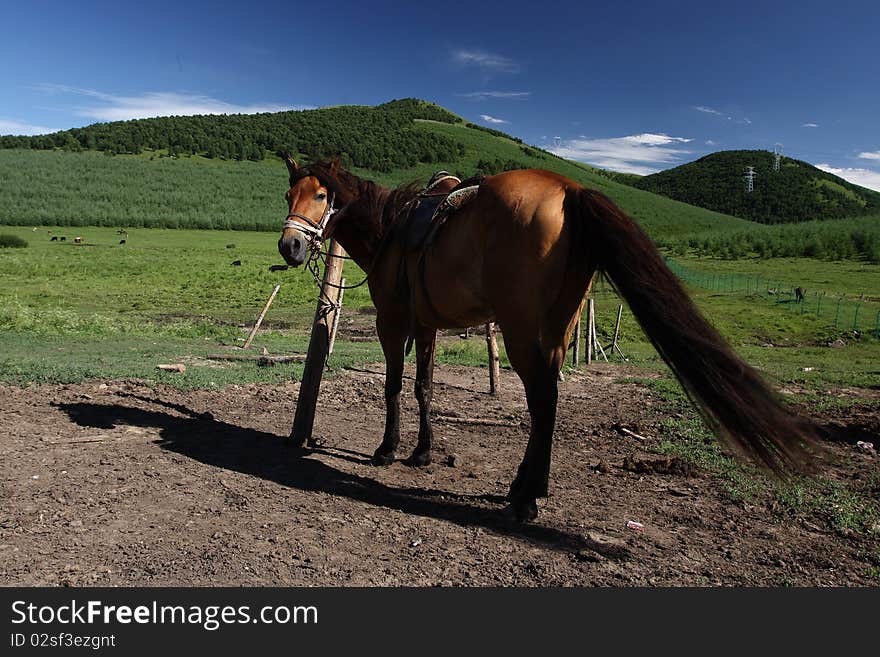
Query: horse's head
(309, 207)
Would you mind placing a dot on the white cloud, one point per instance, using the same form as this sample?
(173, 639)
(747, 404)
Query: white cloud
(642, 154)
(110, 107)
(709, 142)
(484, 60)
(492, 119)
(809, 125)
(864, 177)
(650, 139)
(12, 127)
(870, 155)
(504, 95)
(729, 117)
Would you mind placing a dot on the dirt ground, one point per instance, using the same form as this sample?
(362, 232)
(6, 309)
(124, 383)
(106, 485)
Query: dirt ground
(118, 483)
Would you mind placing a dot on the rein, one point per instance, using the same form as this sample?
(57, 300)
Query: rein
(314, 268)
(314, 231)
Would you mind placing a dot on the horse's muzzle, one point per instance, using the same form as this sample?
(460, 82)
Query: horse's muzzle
(293, 248)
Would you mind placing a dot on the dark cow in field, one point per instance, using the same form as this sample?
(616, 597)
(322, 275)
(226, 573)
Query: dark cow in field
(799, 294)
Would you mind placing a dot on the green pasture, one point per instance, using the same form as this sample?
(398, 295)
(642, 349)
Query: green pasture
(104, 311)
(175, 294)
(48, 188)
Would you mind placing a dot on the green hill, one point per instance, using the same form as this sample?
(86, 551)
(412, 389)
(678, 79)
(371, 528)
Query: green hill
(220, 171)
(797, 192)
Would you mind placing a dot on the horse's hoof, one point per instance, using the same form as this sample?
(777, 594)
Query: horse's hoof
(419, 459)
(380, 459)
(521, 512)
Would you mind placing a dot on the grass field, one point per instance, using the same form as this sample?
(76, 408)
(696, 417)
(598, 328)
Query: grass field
(103, 311)
(98, 310)
(91, 189)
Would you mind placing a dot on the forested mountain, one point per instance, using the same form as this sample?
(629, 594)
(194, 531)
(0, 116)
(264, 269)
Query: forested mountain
(797, 192)
(379, 138)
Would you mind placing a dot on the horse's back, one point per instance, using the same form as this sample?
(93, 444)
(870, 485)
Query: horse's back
(508, 250)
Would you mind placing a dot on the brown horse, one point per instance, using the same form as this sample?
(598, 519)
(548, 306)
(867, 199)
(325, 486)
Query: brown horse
(524, 253)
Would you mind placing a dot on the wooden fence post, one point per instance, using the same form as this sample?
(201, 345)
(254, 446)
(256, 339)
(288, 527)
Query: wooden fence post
(494, 362)
(319, 348)
(336, 313)
(247, 343)
(591, 321)
(616, 328)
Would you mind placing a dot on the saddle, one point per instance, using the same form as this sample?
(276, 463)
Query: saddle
(443, 195)
(428, 211)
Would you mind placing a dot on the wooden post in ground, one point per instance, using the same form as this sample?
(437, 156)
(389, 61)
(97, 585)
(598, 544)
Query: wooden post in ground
(494, 362)
(599, 349)
(319, 348)
(614, 346)
(576, 348)
(616, 328)
(591, 321)
(247, 343)
(576, 343)
(336, 313)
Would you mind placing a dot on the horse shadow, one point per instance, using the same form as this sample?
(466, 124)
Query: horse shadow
(202, 437)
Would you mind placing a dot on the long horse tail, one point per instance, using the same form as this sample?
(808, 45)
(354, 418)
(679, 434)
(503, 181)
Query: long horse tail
(732, 396)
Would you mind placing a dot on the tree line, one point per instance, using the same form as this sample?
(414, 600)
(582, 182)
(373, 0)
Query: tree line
(857, 238)
(381, 138)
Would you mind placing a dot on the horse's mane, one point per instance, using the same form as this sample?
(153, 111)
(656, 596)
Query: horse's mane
(374, 208)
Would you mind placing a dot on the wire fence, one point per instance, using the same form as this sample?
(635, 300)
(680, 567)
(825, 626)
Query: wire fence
(844, 313)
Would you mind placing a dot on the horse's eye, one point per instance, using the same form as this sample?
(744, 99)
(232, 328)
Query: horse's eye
(320, 196)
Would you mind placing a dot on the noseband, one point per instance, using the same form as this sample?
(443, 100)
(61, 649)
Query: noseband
(313, 230)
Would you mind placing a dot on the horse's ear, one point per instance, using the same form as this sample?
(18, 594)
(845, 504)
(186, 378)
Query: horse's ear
(292, 166)
(335, 164)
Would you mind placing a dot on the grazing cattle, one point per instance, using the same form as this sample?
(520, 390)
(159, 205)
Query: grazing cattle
(122, 241)
(54, 238)
(800, 294)
(236, 263)
(63, 238)
(78, 239)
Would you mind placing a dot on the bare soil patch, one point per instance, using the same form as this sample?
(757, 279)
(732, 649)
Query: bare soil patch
(119, 483)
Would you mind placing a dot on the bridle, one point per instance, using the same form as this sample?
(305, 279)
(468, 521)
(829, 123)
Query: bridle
(312, 230)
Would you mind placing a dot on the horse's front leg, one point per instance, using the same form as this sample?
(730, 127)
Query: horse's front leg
(393, 340)
(426, 342)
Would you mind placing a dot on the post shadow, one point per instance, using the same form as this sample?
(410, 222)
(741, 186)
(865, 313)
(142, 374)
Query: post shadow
(202, 437)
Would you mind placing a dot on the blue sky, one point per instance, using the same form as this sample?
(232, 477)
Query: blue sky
(629, 86)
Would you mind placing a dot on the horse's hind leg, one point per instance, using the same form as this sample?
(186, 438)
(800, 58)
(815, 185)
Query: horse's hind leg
(538, 372)
(392, 339)
(426, 342)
